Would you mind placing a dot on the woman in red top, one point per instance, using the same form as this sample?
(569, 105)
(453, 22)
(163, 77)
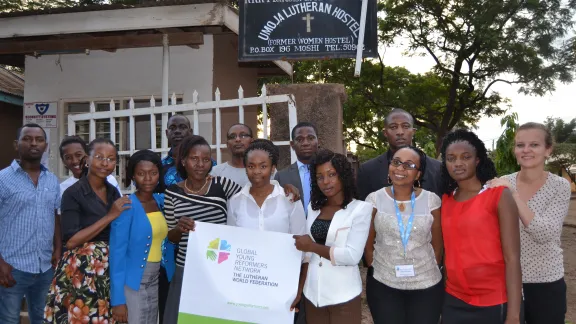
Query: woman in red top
(481, 238)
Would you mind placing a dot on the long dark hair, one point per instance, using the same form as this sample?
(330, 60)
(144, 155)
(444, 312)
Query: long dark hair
(184, 148)
(146, 155)
(485, 170)
(345, 174)
(90, 150)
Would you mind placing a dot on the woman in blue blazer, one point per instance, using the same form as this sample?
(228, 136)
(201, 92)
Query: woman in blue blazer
(138, 245)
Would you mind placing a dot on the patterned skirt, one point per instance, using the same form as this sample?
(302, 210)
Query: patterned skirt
(80, 290)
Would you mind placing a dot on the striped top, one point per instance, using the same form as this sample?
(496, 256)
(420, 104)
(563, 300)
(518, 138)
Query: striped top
(27, 214)
(209, 208)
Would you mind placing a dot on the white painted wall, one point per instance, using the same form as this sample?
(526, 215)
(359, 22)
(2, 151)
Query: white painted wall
(125, 73)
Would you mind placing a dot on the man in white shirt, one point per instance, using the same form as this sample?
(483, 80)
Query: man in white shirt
(72, 152)
(238, 139)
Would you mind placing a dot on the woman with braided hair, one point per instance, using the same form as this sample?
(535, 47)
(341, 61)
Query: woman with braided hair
(481, 238)
(262, 203)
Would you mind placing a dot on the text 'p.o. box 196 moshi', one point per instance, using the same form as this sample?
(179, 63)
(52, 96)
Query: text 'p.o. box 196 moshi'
(238, 275)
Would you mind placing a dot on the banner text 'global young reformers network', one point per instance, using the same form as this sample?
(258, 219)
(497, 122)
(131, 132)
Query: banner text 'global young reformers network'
(300, 29)
(234, 275)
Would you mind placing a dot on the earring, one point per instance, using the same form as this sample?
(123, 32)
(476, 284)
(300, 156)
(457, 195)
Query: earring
(417, 183)
(389, 180)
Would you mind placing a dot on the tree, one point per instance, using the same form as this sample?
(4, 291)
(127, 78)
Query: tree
(564, 154)
(503, 155)
(476, 44)
(377, 91)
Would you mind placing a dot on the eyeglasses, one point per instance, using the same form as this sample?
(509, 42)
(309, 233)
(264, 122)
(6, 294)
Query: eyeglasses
(232, 137)
(407, 165)
(102, 159)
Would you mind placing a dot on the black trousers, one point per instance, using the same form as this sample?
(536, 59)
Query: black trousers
(456, 311)
(394, 306)
(545, 303)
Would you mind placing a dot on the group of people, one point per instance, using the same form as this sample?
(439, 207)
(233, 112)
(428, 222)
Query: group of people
(445, 239)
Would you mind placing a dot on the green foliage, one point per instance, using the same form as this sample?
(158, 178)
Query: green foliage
(564, 154)
(381, 88)
(476, 44)
(563, 132)
(503, 155)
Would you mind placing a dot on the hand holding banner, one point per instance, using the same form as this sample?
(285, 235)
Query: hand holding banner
(238, 275)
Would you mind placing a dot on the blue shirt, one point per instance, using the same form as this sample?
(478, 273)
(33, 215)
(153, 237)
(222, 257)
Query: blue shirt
(171, 175)
(27, 214)
(304, 171)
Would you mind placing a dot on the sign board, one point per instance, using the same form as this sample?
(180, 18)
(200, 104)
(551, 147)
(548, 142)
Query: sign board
(304, 29)
(44, 114)
(234, 275)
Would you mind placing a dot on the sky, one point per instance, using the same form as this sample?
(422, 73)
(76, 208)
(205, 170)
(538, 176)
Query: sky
(560, 103)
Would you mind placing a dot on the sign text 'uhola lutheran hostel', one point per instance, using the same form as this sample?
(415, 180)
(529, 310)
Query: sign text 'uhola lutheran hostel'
(304, 29)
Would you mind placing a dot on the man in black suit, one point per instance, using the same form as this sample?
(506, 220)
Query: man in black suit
(305, 144)
(399, 130)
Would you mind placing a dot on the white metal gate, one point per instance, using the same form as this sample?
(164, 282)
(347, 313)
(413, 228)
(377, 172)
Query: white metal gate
(195, 106)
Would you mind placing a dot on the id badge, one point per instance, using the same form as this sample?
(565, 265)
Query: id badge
(405, 271)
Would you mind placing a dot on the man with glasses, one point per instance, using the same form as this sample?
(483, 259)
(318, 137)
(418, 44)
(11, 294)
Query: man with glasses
(238, 139)
(399, 131)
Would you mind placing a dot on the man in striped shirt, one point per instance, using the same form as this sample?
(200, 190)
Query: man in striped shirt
(30, 243)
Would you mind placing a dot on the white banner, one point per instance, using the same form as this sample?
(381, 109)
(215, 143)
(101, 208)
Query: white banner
(238, 275)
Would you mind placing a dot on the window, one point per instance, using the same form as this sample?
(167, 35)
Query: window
(142, 129)
(102, 130)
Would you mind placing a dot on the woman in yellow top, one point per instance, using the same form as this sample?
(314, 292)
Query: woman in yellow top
(137, 245)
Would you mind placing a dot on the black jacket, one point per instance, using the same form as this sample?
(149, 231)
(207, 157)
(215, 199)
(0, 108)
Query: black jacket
(373, 176)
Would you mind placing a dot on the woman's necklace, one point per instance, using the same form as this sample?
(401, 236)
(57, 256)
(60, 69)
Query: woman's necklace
(400, 204)
(199, 190)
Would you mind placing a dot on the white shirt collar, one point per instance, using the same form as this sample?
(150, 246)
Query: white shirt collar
(278, 190)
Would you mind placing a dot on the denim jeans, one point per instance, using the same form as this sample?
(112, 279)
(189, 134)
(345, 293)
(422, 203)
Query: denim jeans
(35, 287)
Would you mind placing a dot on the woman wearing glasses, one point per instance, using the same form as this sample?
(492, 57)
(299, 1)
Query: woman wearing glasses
(404, 247)
(80, 291)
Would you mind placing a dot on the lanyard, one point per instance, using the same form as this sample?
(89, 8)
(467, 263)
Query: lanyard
(404, 231)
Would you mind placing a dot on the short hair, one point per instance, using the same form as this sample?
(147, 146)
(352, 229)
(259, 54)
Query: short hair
(485, 171)
(71, 140)
(179, 115)
(240, 124)
(146, 155)
(396, 111)
(548, 138)
(421, 155)
(184, 148)
(345, 174)
(302, 125)
(90, 150)
(266, 146)
(29, 125)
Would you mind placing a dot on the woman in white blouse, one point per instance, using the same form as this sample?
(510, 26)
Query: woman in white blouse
(404, 248)
(262, 204)
(337, 230)
(543, 200)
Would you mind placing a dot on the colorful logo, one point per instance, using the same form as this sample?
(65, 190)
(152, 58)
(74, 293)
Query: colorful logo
(218, 249)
